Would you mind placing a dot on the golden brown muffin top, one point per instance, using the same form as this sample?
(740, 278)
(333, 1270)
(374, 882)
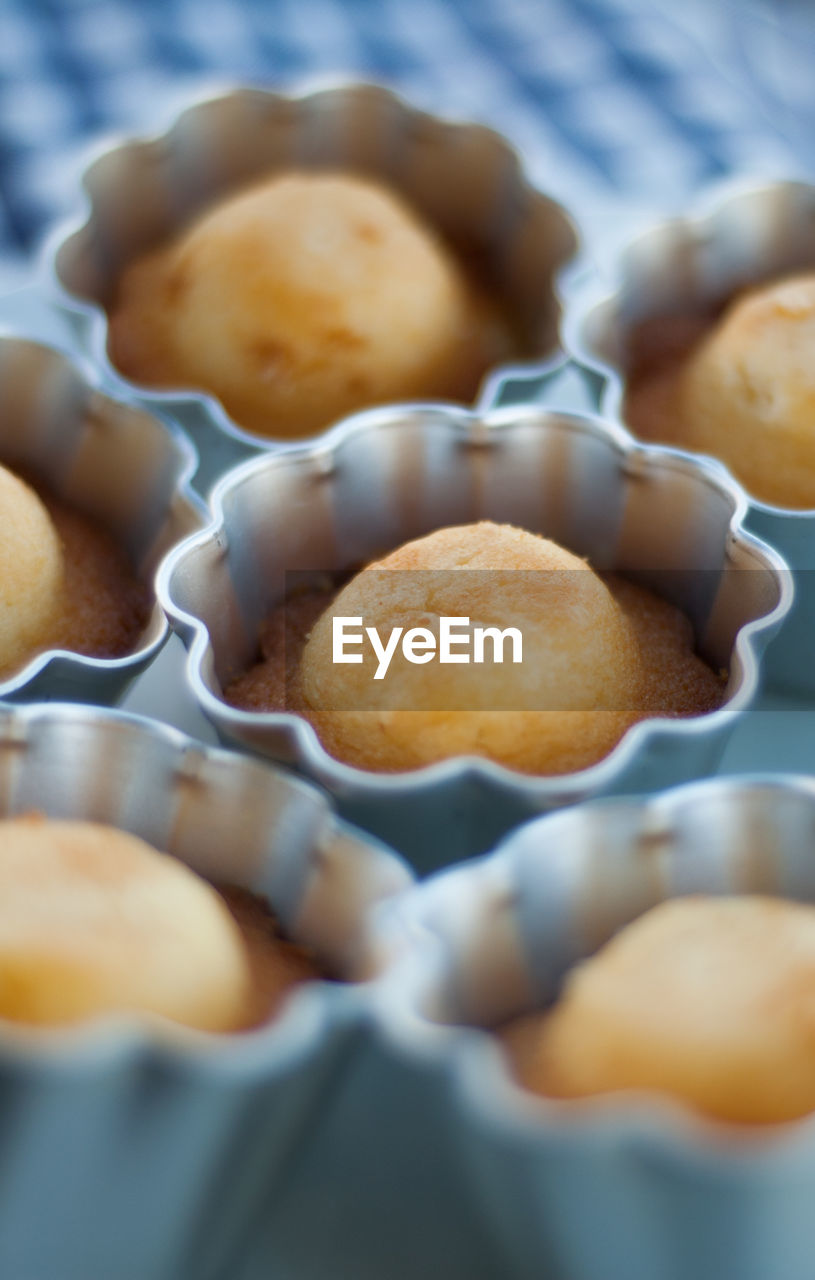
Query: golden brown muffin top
(707, 1000)
(600, 654)
(31, 573)
(93, 921)
(303, 298)
(739, 385)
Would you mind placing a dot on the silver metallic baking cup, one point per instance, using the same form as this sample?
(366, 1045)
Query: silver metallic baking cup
(632, 1186)
(386, 476)
(151, 1152)
(464, 178)
(110, 460)
(741, 234)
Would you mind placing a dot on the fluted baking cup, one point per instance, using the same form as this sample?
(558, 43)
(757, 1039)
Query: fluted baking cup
(150, 1153)
(111, 460)
(632, 1185)
(740, 235)
(386, 476)
(463, 178)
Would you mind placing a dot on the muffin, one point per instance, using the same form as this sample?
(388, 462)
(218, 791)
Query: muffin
(32, 573)
(301, 299)
(739, 386)
(596, 656)
(708, 1000)
(64, 581)
(748, 392)
(94, 921)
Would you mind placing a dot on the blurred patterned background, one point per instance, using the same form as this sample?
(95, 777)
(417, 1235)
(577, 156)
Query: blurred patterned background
(611, 100)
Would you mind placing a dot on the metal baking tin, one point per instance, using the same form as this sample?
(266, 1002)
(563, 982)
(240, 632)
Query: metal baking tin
(115, 462)
(388, 475)
(740, 234)
(151, 1152)
(465, 178)
(636, 1185)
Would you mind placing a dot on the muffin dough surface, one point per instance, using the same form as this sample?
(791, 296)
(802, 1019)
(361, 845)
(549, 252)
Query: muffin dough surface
(31, 573)
(93, 920)
(65, 583)
(710, 1000)
(301, 299)
(580, 669)
(741, 387)
(598, 656)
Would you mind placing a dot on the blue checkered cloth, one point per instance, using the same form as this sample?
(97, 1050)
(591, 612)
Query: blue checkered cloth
(609, 98)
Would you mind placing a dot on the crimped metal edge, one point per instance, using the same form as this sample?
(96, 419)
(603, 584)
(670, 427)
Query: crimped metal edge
(93, 319)
(55, 670)
(583, 294)
(116, 1042)
(471, 1059)
(341, 778)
